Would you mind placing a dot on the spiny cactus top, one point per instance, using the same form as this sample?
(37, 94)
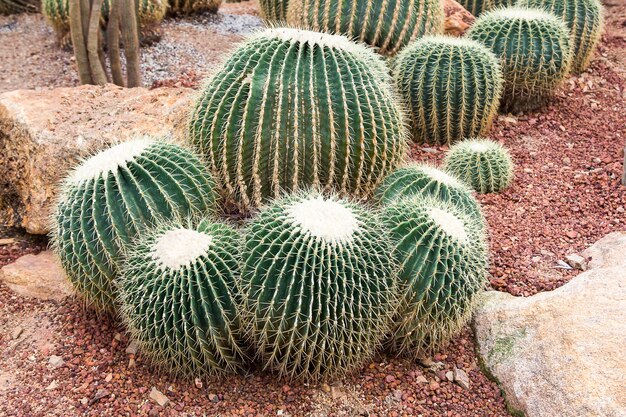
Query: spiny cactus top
(452, 87)
(585, 20)
(320, 285)
(186, 7)
(443, 258)
(476, 7)
(426, 180)
(534, 50)
(387, 25)
(293, 109)
(274, 10)
(112, 196)
(484, 164)
(180, 296)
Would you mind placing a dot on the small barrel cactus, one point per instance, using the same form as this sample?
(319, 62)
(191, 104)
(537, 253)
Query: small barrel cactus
(585, 20)
(386, 25)
(274, 10)
(294, 109)
(180, 296)
(452, 87)
(112, 196)
(425, 180)
(187, 7)
(443, 258)
(18, 6)
(320, 285)
(484, 164)
(476, 7)
(534, 51)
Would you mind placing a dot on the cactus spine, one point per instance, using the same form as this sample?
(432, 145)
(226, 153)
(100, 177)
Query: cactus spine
(452, 88)
(484, 164)
(294, 109)
(386, 25)
(180, 296)
(476, 7)
(320, 283)
(585, 20)
(110, 197)
(274, 10)
(534, 51)
(442, 253)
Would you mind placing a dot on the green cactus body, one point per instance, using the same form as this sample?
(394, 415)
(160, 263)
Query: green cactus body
(320, 285)
(442, 252)
(274, 10)
(293, 109)
(187, 7)
(386, 25)
(110, 197)
(585, 20)
(451, 86)
(18, 6)
(483, 164)
(425, 180)
(57, 13)
(180, 296)
(534, 51)
(476, 7)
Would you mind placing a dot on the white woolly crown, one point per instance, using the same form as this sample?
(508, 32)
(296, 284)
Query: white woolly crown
(449, 223)
(524, 13)
(441, 176)
(180, 247)
(110, 159)
(324, 219)
(314, 38)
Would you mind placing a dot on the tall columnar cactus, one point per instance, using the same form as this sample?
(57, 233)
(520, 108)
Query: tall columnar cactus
(274, 10)
(585, 20)
(111, 197)
(180, 296)
(534, 50)
(57, 13)
(386, 25)
(187, 7)
(294, 109)
(18, 6)
(425, 180)
(320, 282)
(443, 259)
(476, 7)
(452, 87)
(484, 164)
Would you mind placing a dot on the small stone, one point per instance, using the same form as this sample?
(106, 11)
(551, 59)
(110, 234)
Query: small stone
(508, 119)
(434, 385)
(132, 347)
(571, 234)
(337, 393)
(56, 361)
(8, 241)
(158, 397)
(108, 378)
(421, 379)
(118, 337)
(131, 363)
(198, 383)
(101, 393)
(461, 378)
(17, 332)
(450, 376)
(286, 388)
(567, 161)
(430, 150)
(389, 379)
(576, 261)
(53, 385)
(84, 401)
(426, 361)
(213, 398)
(398, 394)
(325, 387)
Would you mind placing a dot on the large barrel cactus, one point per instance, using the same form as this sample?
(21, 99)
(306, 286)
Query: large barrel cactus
(187, 7)
(476, 7)
(57, 13)
(180, 296)
(484, 164)
(585, 20)
(112, 196)
(386, 25)
(534, 50)
(18, 6)
(443, 258)
(294, 109)
(452, 88)
(427, 181)
(320, 285)
(274, 10)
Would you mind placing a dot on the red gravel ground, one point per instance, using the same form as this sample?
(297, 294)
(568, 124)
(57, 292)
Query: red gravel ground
(566, 195)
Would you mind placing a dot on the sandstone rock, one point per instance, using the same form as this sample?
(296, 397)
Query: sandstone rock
(158, 397)
(457, 18)
(39, 276)
(562, 352)
(44, 133)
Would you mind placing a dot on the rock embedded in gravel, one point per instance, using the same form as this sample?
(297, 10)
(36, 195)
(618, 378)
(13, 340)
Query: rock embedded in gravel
(562, 350)
(576, 261)
(38, 276)
(45, 133)
(461, 378)
(132, 347)
(56, 361)
(158, 397)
